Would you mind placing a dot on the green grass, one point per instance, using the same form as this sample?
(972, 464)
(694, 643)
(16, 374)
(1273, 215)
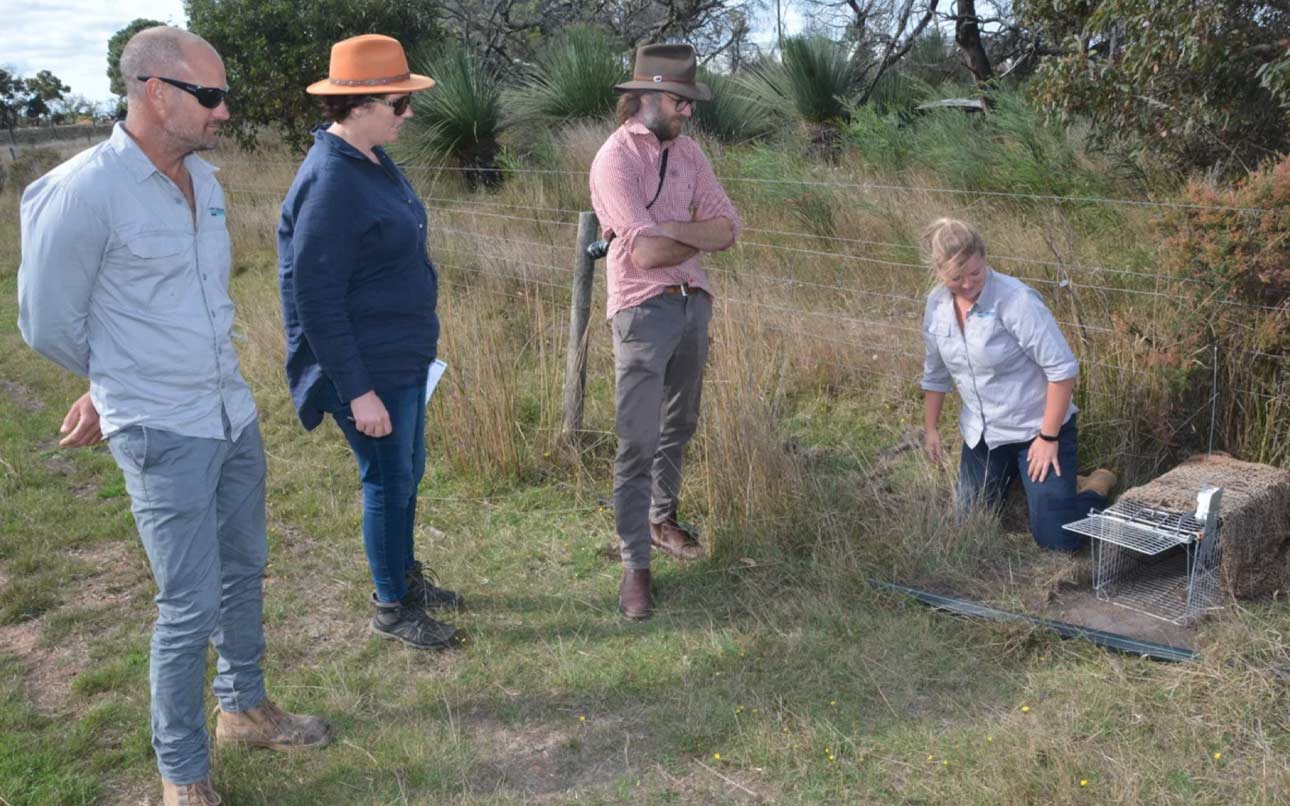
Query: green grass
(776, 656)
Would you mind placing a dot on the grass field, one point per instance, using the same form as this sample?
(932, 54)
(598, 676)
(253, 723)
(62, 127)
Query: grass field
(771, 673)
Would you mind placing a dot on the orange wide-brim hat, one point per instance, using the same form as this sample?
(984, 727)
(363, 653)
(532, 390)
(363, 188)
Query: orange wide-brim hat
(370, 64)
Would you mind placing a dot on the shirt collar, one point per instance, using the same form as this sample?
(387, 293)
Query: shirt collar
(989, 292)
(140, 167)
(637, 128)
(338, 145)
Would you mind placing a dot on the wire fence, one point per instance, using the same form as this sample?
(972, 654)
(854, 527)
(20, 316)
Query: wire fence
(863, 299)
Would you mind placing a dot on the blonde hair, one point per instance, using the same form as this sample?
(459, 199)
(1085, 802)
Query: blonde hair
(948, 243)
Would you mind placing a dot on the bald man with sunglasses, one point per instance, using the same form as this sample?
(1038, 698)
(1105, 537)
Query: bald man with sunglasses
(661, 208)
(124, 280)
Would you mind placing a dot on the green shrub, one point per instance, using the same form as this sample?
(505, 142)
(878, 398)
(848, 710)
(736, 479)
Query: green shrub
(1229, 256)
(573, 79)
(730, 116)
(459, 119)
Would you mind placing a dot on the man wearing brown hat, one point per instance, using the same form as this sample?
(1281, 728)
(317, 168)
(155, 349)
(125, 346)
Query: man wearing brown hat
(661, 207)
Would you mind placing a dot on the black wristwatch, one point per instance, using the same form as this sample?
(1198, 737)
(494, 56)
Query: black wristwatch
(1046, 438)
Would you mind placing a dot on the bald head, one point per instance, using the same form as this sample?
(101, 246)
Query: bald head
(159, 51)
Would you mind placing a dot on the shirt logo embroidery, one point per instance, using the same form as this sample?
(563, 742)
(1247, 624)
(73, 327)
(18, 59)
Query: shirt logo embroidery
(217, 212)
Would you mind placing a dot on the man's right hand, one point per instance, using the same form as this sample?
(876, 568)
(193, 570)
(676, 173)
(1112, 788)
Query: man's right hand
(81, 425)
(370, 417)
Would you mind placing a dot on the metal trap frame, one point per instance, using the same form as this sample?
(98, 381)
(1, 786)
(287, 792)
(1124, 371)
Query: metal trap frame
(1157, 562)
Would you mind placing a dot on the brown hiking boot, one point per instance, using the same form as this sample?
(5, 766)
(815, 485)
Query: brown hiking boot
(669, 538)
(634, 598)
(198, 794)
(1100, 481)
(267, 725)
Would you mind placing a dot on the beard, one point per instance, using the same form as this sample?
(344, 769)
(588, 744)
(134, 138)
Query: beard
(664, 128)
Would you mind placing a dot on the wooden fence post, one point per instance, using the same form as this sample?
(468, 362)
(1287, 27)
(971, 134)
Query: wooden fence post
(575, 374)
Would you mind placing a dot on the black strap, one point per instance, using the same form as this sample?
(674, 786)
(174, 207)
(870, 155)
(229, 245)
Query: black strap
(662, 174)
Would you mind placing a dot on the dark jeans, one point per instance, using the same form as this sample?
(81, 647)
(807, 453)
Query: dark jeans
(985, 474)
(390, 469)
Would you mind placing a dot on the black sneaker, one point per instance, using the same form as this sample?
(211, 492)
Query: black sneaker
(423, 591)
(412, 626)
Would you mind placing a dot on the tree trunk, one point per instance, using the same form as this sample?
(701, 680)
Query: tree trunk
(967, 35)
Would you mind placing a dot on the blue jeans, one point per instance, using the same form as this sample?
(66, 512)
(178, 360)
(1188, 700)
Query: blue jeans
(199, 506)
(390, 469)
(985, 474)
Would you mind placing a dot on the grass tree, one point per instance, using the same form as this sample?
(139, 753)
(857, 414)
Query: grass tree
(460, 119)
(730, 116)
(812, 84)
(573, 78)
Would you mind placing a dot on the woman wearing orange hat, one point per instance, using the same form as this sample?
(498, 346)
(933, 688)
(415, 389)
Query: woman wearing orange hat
(358, 299)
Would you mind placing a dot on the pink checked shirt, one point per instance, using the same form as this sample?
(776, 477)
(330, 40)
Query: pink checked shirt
(624, 176)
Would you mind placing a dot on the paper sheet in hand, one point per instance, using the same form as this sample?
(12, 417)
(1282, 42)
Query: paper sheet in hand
(432, 377)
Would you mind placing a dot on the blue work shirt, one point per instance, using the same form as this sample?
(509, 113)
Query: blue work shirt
(358, 289)
(122, 282)
(1002, 360)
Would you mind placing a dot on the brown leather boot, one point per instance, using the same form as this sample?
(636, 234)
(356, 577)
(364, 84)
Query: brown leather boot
(669, 538)
(267, 725)
(1100, 481)
(198, 794)
(634, 598)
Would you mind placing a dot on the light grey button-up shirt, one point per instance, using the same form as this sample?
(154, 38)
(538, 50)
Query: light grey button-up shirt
(117, 283)
(1002, 361)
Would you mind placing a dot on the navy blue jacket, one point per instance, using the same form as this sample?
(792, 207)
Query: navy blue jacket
(358, 289)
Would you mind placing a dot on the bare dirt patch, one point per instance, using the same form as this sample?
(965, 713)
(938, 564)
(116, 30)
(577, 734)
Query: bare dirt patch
(22, 396)
(51, 669)
(545, 764)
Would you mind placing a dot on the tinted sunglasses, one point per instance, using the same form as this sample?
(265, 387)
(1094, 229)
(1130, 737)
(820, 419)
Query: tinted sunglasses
(681, 103)
(209, 97)
(397, 107)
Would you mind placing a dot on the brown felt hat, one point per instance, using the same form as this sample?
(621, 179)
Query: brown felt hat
(370, 64)
(667, 68)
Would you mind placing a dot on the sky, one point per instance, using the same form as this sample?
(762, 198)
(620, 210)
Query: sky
(69, 37)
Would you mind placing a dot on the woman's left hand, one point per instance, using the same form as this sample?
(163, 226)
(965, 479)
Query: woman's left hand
(1042, 454)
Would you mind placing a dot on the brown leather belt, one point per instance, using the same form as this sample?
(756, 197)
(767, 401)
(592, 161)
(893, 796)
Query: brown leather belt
(684, 289)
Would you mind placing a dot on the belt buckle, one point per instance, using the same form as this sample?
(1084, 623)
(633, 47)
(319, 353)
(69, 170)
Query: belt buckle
(685, 289)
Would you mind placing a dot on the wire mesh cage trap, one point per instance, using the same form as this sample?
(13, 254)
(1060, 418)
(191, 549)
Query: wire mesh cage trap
(1157, 562)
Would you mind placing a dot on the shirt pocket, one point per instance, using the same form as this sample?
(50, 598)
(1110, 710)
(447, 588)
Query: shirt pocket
(153, 265)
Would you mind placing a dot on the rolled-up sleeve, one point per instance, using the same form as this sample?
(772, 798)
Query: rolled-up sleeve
(63, 243)
(616, 197)
(1036, 330)
(711, 200)
(324, 248)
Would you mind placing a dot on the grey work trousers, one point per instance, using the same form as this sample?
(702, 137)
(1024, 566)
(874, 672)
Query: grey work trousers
(660, 348)
(199, 506)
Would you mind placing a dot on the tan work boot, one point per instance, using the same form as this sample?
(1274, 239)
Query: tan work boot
(267, 725)
(1100, 481)
(198, 794)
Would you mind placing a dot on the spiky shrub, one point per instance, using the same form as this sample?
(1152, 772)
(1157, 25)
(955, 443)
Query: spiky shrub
(730, 116)
(459, 119)
(812, 86)
(573, 79)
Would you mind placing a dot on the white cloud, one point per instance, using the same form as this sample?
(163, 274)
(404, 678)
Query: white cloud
(70, 37)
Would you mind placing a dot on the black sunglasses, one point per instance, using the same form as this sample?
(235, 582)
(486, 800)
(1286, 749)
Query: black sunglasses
(397, 107)
(209, 97)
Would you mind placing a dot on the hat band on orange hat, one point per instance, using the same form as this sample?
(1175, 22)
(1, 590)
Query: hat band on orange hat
(369, 82)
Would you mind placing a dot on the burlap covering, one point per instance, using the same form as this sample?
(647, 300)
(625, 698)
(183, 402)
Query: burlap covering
(1255, 513)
